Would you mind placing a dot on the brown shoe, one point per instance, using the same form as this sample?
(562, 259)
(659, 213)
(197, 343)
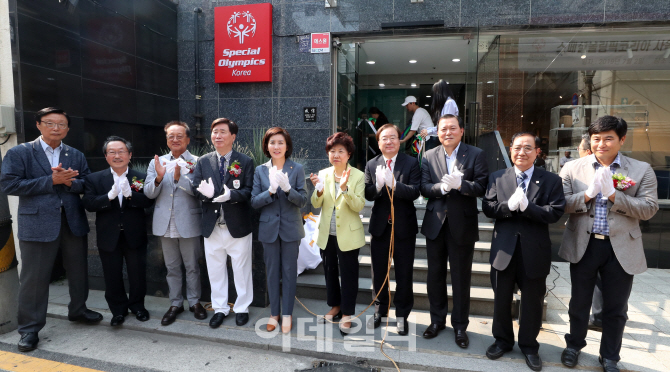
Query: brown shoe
(273, 322)
(198, 311)
(171, 315)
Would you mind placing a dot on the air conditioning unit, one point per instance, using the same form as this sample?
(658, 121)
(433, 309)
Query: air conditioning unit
(7, 120)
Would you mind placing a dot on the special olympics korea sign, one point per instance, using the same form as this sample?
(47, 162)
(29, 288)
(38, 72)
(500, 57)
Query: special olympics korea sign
(243, 43)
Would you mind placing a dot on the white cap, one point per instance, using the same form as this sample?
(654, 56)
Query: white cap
(409, 99)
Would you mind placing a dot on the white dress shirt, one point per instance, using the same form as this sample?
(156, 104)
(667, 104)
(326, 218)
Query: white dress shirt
(529, 174)
(53, 155)
(116, 179)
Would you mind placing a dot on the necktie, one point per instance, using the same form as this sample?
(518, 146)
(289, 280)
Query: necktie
(222, 168)
(388, 163)
(520, 181)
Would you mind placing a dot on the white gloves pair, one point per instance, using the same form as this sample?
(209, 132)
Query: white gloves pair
(518, 200)
(602, 182)
(278, 179)
(207, 188)
(384, 176)
(319, 185)
(120, 186)
(170, 166)
(451, 181)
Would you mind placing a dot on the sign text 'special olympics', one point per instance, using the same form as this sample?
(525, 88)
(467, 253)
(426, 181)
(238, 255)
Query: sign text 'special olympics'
(243, 43)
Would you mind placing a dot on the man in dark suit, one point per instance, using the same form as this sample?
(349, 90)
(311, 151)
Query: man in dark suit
(223, 180)
(452, 177)
(401, 175)
(524, 200)
(47, 176)
(117, 198)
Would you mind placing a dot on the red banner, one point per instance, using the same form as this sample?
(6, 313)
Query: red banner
(243, 43)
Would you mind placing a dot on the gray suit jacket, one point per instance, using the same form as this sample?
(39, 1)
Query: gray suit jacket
(639, 202)
(187, 208)
(26, 173)
(280, 213)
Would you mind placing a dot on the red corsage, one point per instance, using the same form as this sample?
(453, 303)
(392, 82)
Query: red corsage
(136, 185)
(190, 165)
(235, 169)
(621, 182)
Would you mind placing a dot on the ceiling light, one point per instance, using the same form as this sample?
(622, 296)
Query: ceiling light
(402, 85)
(489, 95)
(412, 61)
(447, 82)
(583, 56)
(426, 105)
(413, 85)
(456, 60)
(489, 82)
(521, 115)
(561, 97)
(370, 62)
(427, 96)
(382, 85)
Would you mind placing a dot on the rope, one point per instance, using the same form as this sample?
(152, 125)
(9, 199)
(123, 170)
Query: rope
(390, 192)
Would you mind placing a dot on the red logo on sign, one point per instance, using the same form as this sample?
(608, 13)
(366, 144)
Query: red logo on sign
(243, 43)
(321, 42)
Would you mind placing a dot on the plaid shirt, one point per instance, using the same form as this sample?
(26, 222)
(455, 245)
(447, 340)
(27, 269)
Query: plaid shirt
(600, 225)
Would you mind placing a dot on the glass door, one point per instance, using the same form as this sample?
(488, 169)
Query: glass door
(347, 88)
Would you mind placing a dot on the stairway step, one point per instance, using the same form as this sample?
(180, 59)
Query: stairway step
(482, 249)
(485, 229)
(421, 211)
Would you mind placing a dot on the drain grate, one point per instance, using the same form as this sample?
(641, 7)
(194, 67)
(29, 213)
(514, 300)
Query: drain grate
(325, 366)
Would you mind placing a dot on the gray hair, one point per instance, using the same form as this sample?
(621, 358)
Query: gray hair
(586, 142)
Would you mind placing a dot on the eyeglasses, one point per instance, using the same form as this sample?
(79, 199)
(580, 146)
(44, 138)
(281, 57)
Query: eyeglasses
(178, 138)
(51, 125)
(114, 153)
(526, 149)
(389, 139)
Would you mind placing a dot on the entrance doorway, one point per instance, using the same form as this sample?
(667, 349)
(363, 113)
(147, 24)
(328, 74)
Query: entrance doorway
(377, 75)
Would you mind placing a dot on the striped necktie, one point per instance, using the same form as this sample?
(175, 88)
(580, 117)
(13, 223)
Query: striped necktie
(520, 178)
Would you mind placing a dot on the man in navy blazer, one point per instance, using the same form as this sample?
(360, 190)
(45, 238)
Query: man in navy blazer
(47, 176)
(524, 200)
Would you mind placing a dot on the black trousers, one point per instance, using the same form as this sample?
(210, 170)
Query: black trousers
(616, 286)
(439, 251)
(532, 299)
(597, 305)
(403, 261)
(112, 267)
(336, 263)
(38, 260)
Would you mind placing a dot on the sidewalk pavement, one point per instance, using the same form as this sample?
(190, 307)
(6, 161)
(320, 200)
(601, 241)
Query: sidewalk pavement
(646, 342)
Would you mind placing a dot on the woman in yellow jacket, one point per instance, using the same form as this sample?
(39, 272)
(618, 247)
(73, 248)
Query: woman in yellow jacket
(340, 193)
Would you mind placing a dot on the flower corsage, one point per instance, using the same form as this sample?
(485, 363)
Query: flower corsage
(190, 165)
(136, 185)
(621, 182)
(235, 169)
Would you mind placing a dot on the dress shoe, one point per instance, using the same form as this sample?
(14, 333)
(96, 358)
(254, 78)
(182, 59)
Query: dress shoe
(594, 326)
(273, 322)
(432, 330)
(216, 320)
(494, 351)
(287, 324)
(171, 315)
(375, 321)
(28, 341)
(117, 320)
(334, 318)
(241, 319)
(608, 365)
(198, 311)
(533, 362)
(142, 315)
(345, 330)
(570, 357)
(462, 339)
(402, 327)
(88, 316)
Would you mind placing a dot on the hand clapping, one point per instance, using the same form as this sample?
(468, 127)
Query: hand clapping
(206, 188)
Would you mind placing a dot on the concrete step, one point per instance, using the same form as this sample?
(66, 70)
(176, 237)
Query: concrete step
(480, 271)
(421, 211)
(313, 285)
(485, 229)
(482, 250)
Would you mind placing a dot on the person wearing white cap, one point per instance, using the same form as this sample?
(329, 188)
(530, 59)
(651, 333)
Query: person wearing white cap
(421, 119)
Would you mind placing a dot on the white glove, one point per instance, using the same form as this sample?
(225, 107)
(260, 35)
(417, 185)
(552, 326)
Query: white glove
(114, 191)
(206, 188)
(224, 197)
(183, 167)
(594, 187)
(282, 180)
(388, 178)
(445, 185)
(523, 201)
(606, 183)
(125, 187)
(454, 179)
(380, 180)
(515, 200)
(272, 175)
(319, 185)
